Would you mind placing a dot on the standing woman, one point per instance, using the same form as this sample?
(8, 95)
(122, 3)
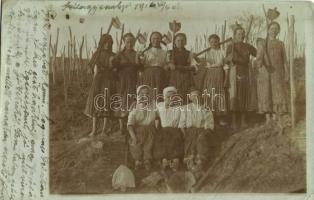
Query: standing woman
(273, 73)
(180, 59)
(127, 73)
(216, 75)
(103, 85)
(238, 57)
(154, 60)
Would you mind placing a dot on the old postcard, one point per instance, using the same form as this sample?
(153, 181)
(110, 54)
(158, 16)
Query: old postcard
(156, 97)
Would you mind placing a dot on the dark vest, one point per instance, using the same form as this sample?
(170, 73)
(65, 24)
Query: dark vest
(181, 57)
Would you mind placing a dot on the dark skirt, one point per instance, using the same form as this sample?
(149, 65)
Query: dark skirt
(143, 148)
(154, 77)
(239, 96)
(168, 143)
(98, 100)
(182, 81)
(196, 143)
(126, 87)
(214, 86)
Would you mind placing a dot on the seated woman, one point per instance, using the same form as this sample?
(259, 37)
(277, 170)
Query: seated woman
(141, 127)
(196, 122)
(168, 142)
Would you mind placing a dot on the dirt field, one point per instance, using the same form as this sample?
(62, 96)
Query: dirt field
(257, 159)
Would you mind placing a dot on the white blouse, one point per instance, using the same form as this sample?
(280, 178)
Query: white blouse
(196, 116)
(215, 58)
(142, 117)
(155, 57)
(169, 117)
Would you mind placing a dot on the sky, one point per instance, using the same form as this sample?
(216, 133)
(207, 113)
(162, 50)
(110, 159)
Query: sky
(196, 17)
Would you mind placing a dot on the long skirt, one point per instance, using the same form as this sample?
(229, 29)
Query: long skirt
(196, 144)
(213, 86)
(263, 91)
(155, 78)
(238, 91)
(98, 100)
(126, 87)
(253, 88)
(142, 150)
(168, 143)
(279, 91)
(183, 81)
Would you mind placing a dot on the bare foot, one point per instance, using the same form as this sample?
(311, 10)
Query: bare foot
(234, 126)
(175, 164)
(92, 133)
(147, 165)
(244, 124)
(164, 163)
(104, 132)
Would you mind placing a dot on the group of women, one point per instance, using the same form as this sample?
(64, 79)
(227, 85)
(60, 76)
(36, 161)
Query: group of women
(166, 132)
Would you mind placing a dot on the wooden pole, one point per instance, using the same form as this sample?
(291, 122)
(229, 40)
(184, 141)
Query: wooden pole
(110, 26)
(224, 34)
(69, 61)
(121, 38)
(81, 62)
(249, 29)
(55, 58)
(292, 84)
(70, 55)
(64, 78)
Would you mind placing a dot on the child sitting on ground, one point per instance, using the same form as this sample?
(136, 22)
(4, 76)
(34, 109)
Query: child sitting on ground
(168, 142)
(141, 127)
(196, 122)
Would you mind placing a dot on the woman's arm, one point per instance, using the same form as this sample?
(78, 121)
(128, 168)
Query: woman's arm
(132, 134)
(252, 50)
(130, 126)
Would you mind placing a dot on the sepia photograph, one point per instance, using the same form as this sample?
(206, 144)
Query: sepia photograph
(177, 97)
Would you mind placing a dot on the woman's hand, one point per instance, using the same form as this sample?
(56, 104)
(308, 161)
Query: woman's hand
(172, 66)
(208, 65)
(140, 55)
(228, 59)
(133, 139)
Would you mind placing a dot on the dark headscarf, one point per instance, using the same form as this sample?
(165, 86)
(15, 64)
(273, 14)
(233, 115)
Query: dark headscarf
(178, 35)
(104, 38)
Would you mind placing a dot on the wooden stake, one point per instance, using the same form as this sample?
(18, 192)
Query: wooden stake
(54, 71)
(81, 62)
(292, 85)
(121, 38)
(64, 78)
(249, 29)
(69, 61)
(224, 34)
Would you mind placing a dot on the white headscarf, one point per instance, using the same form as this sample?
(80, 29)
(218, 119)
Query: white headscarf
(169, 89)
(139, 88)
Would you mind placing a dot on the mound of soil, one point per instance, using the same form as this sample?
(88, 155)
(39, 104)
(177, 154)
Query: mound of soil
(260, 159)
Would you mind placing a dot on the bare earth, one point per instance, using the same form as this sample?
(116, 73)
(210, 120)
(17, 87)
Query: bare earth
(257, 159)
